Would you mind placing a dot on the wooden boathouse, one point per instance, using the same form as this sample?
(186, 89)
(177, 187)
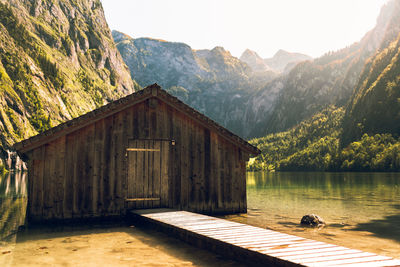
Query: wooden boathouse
(146, 150)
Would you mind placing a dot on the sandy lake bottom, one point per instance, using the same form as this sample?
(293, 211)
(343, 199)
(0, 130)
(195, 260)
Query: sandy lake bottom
(110, 246)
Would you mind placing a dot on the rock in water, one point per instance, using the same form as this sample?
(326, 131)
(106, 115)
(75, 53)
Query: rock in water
(312, 220)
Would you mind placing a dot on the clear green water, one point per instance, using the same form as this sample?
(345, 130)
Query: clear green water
(362, 210)
(346, 198)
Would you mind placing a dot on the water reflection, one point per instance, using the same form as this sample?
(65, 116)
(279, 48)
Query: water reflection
(13, 200)
(359, 195)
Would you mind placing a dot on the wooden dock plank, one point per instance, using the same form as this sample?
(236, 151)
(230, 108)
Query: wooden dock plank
(326, 254)
(375, 264)
(368, 259)
(262, 245)
(330, 256)
(311, 251)
(265, 241)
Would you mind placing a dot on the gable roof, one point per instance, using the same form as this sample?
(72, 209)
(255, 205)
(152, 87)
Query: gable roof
(123, 103)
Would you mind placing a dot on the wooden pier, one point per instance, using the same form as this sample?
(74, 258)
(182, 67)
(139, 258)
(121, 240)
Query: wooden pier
(254, 245)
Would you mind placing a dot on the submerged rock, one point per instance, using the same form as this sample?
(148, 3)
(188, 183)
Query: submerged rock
(312, 220)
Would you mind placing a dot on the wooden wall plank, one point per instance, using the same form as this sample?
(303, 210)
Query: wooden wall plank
(96, 179)
(214, 172)
(235, 180)
(185, 162)
(221, 176)
(59, 177)
(243, 191)
(151, 172)
(132, 183)
(119, 157)
(80, 179)
(157, 176)
(100, 129)
(139, 189)
(191, 168)
(153, 128)
(128, 136)
(88, 175)
(201, 155)
(37, 187)
(48, 173)
(106, 190)
(208, 188)
(175, 183)
(144, 132)
(136, 114)
(165, 163)
(146, 173)
(77, 162)
(112, 164)
(31, 185)
(68, 177)
(229, 177)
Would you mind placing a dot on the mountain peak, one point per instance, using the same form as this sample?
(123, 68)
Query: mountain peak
(120, 36)
(221, 50)
(252, 59)
(281, 52)
(283, 60)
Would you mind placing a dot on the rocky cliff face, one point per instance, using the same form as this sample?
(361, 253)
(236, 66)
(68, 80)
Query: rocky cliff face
(58, 61)
(212, 81)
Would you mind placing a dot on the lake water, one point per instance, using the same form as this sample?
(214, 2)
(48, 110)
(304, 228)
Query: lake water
(362, 211)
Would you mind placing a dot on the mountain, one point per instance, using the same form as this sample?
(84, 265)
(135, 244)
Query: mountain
(284, 61)
(362, 134)
(212, 81)
(252, 59)
(58, 61)
(311, 86)
(245, 95)
(176, 64)
(374, 107)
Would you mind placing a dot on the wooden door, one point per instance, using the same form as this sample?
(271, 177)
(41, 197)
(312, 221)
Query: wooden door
(147, 176)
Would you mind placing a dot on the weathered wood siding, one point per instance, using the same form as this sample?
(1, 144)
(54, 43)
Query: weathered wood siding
(84, 173)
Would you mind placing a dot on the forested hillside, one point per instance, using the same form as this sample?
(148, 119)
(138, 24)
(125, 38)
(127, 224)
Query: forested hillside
(360, 135)
(313, 145)
(375, 105)
(57, 61)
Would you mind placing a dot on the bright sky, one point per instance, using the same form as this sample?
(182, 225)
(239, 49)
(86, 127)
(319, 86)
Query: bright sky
(312, 27)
